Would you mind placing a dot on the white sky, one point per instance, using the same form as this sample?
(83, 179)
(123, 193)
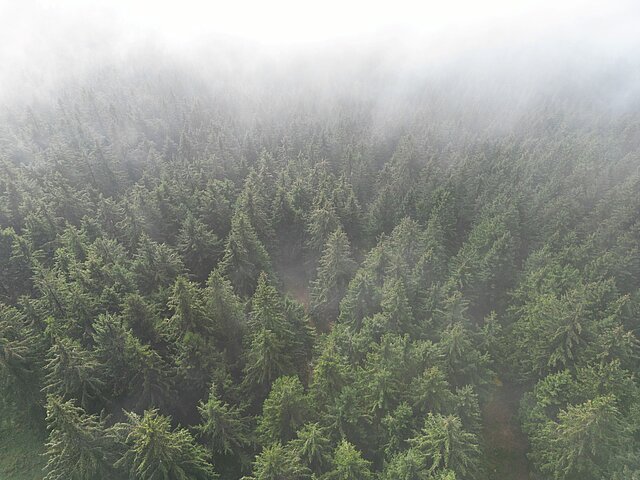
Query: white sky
(278, 22)
(41, 39)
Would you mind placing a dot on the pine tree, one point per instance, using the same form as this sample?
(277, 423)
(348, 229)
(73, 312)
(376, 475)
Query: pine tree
(331, 373)
(407, 465)
(15, 272)
(72, 373)
(335, 269)
(277, 463)
(245, 256)
(464, 363)
(431, 392)
(254, 202)
(155, 451)
(484, 267)
(267, 309)
(348, 464)
(153, 385)
(289, 227)
(115, 351)
(226, 312)
(396, 308)
(156, 265)
(199, 247)
(189, 315)
(397, 426)
(283, 412)
(323, 221)
(141, 318)
(448, 446)
(79, 445)
(267, 359)
(584, 441)
(313, 447)
(274, 344)
(21, 359)
(383, 213)
(361, 300)
(224, 429)
(350, 212)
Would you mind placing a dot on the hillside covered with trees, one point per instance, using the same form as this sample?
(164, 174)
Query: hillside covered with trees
(261, 279)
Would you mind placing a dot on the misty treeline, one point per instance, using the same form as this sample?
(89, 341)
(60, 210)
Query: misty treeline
(274, 278)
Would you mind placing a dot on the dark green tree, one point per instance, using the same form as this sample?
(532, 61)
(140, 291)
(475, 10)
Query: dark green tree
(223, 427)
(313, 447)
(584, 441)
(79, 445)
(348, 464)
(283, 412)
(155, 451)
(72, 373)
(21, 359)
(335, 269)
(199, 247)
(277, 463)
(449, 447)
(244, 256)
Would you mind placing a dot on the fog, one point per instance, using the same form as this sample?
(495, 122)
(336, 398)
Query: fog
(499, 53)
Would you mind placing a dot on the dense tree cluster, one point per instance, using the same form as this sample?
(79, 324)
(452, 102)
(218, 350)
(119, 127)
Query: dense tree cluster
(188, 291)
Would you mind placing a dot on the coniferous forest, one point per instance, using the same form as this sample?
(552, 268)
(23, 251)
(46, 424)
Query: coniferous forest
(262, 277)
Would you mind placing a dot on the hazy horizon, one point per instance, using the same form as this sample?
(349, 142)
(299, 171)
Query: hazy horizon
(45, 47)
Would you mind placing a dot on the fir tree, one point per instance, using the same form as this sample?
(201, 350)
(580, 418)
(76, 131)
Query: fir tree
(245, 256)
(79, 445)
(335, 269)
(156, 451)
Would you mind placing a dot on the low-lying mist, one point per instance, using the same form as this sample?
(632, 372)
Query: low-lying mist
(492, 63)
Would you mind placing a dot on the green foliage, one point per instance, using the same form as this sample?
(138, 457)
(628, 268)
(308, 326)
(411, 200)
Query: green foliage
(323, 222)
(21, 359)
(155, 265)
(335, 269)
(283, 412)
(267, 359)
(313, 447)
(15, 278)
(348, 464)
(223, 427)
(565, 330)
(280, 337)
(199, 247)
(449, 447)
(79, 445)
(225, 310)
(244, 255)
(116, 351)
(155, 451)
(408, 465)
(277, 463)
(73, 374)
(584, 440)
(432, 273)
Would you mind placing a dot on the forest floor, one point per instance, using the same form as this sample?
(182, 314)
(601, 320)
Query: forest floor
(506, 445)
(295, 282)
(21, 453)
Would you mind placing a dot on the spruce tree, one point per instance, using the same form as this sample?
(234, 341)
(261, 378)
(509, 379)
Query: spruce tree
(283, 412)
(199, 247)
(449, 447)
(72, 373)
(79, 445)
(335, 269)
(348, 464)
(245, 256)
(155, 451)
